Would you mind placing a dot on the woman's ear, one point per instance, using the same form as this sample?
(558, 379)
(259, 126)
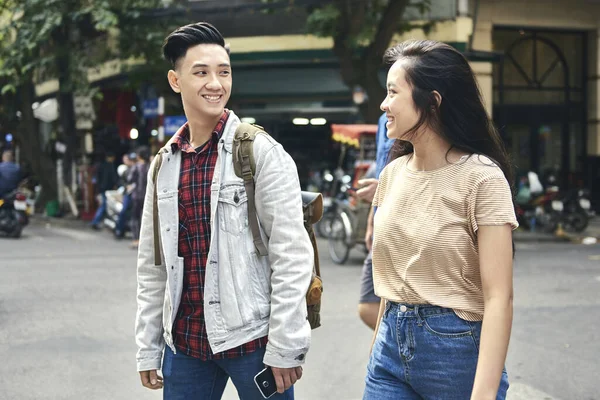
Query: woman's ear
(438, 98)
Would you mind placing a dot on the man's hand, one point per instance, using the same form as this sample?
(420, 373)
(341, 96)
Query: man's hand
(286, 377)
(370, 229)
(367, 190)
(151, 379)
(369, 237)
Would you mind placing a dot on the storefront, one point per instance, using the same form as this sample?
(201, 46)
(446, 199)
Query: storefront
(544, 93)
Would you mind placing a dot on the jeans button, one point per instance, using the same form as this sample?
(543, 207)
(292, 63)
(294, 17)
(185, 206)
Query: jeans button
(403, 308)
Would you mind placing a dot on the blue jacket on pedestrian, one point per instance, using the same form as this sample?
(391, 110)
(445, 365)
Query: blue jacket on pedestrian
(384, 144)
(10, 175)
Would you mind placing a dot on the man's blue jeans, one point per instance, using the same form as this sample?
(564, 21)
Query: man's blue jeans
(424, 353)
(189, 378)
(100, 212)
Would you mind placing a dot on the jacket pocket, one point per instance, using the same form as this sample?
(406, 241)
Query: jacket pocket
(233, 208)
(260, 273)
(243, 296)
(166, 194)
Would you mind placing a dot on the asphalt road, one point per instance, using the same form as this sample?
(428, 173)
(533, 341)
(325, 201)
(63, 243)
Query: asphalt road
(67, 307)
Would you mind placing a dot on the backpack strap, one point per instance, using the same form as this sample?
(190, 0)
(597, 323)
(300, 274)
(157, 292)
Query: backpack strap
(312, 205)
(245, 167)
(157, 165)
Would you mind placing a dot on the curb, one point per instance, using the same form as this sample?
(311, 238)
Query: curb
(586, 238)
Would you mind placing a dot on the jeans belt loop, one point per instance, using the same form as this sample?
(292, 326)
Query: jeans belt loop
(418, 315)
(388, 307)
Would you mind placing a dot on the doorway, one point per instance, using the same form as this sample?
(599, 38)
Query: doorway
(534, 137)
(540, 100)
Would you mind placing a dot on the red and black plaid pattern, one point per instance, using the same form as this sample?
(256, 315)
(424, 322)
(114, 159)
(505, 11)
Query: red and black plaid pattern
(197, 169)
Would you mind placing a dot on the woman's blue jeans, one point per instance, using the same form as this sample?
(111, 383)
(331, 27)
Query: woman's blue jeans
(424, 352)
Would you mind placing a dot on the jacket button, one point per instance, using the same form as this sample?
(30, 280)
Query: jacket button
(168, 229)
(164, 190)
(172, 267)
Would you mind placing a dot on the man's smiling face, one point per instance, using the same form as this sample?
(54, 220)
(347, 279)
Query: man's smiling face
(203, 77)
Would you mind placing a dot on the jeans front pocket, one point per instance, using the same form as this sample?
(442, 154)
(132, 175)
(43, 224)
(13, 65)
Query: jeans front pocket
(233, 208)
(447, 325)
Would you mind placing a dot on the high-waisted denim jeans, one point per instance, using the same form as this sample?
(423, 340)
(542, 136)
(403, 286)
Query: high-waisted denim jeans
(424, 352)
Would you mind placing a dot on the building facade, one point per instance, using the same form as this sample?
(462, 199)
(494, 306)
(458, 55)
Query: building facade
(537, 63)
(544, 93)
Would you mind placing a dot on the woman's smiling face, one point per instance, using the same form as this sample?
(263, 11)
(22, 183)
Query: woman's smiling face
(398, 105)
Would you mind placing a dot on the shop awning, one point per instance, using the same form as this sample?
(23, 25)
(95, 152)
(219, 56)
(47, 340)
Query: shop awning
(350, 134)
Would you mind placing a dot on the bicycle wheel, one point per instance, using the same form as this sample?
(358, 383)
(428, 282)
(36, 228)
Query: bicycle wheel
(338, 241)
(323, 227)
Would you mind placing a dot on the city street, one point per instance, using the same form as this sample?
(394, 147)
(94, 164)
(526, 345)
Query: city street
(67, 307)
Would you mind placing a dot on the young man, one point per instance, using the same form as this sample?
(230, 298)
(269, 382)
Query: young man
(222, 310)
(124, 216)
(106, 179)
(10, 173)
(368, 304)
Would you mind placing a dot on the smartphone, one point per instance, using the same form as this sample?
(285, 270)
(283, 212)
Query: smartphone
(265, 381)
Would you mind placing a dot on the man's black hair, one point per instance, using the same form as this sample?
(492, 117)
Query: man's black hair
(181, 39)
(143, 152)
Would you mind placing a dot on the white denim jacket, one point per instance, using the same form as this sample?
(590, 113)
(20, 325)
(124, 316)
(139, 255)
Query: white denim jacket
(246, 296)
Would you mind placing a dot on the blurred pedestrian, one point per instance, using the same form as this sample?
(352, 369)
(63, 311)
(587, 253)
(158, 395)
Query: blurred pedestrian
(106, 178)
(442, 249)
(126, 177)
(10, 173)
(227, 306)
(368, 303)
(139, 181)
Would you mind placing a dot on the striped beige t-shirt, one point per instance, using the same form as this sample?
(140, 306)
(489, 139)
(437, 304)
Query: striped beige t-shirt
(425, 241)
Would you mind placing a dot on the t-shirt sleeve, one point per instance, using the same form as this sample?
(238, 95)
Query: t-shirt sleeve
(492, 204)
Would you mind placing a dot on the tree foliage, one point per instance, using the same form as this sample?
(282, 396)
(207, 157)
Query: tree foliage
(36, 33)
(46, 39)
(361, 31)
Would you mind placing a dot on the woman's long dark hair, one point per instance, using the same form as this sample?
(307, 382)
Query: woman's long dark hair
(461, 118)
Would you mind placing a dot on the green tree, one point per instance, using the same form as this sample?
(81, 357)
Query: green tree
(361, 31)
(44, 39)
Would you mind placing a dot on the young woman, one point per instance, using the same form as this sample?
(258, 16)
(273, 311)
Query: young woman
(442, 251)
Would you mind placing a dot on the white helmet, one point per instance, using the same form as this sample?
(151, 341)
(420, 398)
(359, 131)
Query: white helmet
(122, 169)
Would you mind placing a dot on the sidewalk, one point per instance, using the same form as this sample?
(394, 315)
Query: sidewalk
(593, 228)
(520, 235)
(68, 221)
(590, 233)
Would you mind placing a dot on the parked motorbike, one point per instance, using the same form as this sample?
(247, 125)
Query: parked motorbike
(114, 205)
(14, 214)
(578, 210)
(543, 212)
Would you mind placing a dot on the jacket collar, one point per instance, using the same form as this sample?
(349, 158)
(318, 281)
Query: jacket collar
(228, 133)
